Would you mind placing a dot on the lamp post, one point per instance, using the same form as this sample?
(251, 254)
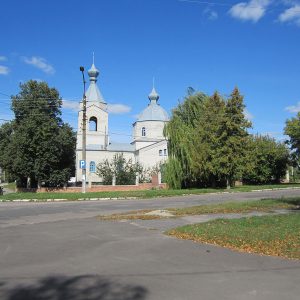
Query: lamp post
(83, 133)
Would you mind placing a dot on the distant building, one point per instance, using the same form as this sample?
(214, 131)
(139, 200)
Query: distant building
(148, 146)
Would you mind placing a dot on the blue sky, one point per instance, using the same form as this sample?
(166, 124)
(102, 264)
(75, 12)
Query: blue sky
(208, 45)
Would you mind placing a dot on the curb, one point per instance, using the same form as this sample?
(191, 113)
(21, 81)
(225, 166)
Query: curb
(134, 198)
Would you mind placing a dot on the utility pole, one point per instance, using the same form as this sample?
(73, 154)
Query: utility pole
(83, 133)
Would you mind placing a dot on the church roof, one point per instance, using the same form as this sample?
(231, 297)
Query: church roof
(153, 112)
(93, 93)
(120, 147)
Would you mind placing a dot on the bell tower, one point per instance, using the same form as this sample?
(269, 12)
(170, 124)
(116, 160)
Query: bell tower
(97, 116)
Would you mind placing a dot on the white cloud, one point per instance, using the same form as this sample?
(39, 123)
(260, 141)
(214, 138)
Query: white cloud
(248, 115)
(275, 135)
(3, 58)
(40, 63)
(291, 14)
(118, 109)
(252, 10)
(293, 108)
(210, 14)
(71, 105)
(4, 70)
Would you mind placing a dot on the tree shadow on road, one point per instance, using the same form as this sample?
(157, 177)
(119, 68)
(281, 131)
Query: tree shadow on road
(87, 287)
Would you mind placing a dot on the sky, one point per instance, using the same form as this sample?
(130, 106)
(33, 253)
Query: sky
(209, 45)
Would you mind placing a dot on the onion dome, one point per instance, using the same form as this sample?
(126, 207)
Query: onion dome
(93, 73)
(153, 96)
(153, 112)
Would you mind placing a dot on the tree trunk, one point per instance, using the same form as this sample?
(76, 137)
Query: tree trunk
(28, 185)
(228, 183)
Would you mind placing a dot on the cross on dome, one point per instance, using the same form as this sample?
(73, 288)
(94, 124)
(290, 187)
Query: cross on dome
(93, 71)
(93, 93)
(153, 96)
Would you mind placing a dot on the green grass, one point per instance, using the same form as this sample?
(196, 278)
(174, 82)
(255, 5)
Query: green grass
(265, 205)
(276, 235)
(137, 194)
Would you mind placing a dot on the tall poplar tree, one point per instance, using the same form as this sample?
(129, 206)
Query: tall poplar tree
(206, 139)
(234, 139)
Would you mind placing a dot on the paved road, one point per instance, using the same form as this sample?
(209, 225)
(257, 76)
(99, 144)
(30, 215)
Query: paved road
(60, 251)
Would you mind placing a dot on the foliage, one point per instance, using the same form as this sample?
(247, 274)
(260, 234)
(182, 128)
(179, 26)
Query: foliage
(294, 173)
(268, 160)
(234, 138)
(292, 129)
(207, 138)
(38, 148)
(124, 170)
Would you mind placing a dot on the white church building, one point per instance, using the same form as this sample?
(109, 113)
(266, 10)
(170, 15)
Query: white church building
(148, 147)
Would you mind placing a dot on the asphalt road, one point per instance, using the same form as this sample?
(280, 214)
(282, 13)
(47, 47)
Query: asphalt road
(55, 251)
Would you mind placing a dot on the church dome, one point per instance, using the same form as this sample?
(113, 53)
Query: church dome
(153, 112)
(93, 72)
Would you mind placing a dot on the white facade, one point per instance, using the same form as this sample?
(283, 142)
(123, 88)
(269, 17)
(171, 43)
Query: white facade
(149, 147)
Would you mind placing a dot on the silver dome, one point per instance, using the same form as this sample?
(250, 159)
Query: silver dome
(153, 112)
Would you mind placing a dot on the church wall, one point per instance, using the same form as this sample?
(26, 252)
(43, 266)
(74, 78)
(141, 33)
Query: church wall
(154, 129)
(150, 157)
(142, 144)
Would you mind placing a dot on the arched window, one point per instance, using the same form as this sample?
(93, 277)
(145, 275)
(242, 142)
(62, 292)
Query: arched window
(143, 131)
(92, 167)
(165, 152)
(160, 152)
(93, 124)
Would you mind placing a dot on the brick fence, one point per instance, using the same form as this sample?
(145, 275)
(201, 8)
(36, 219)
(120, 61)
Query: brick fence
(101, 188)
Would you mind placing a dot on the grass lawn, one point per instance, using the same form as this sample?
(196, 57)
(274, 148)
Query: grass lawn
(138, 194)
(266, 205)
(276, 235)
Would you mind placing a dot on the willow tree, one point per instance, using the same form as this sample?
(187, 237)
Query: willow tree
(180, 132)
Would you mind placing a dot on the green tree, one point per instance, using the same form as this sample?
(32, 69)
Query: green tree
(41, 148)
(207, 141)
(233, 150)
(292, 129)
(123, 170)
(269, 160)
(6, 160)
(180, 132)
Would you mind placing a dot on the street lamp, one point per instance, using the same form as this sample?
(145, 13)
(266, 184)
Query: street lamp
(83, 133)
